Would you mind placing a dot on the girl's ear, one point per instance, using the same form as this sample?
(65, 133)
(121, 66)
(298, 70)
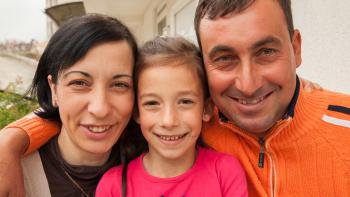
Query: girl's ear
(52, 85)
(135, 115)
(208, 110)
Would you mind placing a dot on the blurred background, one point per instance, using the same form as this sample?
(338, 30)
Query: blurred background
(27, 25)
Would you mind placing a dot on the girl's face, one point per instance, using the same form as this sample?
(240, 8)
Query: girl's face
(95, 101)
(171, 110)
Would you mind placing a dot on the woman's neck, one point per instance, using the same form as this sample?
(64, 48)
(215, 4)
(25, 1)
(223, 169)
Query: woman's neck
(162, 167)
(74, 155)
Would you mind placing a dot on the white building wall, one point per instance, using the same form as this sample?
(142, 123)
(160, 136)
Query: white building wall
(325, 30)
(173, 11)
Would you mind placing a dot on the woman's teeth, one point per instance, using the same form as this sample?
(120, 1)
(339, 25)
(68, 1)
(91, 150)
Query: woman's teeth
(98, 129)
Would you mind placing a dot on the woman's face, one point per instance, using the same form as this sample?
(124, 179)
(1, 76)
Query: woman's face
(95, 100)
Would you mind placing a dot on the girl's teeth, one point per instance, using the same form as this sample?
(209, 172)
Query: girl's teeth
(171, 138)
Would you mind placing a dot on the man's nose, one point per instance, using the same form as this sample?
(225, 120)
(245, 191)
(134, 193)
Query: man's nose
(248, 80)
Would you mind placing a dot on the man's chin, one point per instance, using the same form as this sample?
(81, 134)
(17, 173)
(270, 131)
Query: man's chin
(258, 128)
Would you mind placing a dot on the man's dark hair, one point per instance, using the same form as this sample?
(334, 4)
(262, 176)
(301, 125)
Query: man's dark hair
(218, 8)
(67, 46)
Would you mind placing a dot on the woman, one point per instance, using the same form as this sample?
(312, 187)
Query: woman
(83, 82)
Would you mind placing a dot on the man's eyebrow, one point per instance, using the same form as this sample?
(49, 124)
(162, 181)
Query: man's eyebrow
(220, 48)
(266, 40)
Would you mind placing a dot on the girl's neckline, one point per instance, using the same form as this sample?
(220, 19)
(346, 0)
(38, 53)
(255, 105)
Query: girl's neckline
(175, 178)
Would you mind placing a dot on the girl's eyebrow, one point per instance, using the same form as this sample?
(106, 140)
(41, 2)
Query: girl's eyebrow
(181, 93)
(188, 92)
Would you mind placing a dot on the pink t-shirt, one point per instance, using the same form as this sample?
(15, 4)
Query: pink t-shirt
(213, 175)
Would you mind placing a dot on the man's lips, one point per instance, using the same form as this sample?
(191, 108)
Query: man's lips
(251, 101)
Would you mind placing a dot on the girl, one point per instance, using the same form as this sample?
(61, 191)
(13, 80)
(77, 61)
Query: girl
(172, 101)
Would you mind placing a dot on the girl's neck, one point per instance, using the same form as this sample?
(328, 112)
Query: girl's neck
(162, 167)
(74, 155)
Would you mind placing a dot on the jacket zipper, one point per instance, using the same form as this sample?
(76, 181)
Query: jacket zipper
(261, 152)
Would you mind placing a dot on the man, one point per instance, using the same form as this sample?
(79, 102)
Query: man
(291, 143)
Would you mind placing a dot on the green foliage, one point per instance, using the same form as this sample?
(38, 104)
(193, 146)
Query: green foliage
(14, 106)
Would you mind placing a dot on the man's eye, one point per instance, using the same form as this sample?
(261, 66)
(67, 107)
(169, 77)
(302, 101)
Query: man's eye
(223, 58)
(267, 52)
(225, 62)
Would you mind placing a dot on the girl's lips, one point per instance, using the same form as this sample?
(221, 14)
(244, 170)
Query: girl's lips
(171, 139)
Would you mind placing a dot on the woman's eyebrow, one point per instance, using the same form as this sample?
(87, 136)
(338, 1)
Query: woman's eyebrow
(76, 72)
(121, 75)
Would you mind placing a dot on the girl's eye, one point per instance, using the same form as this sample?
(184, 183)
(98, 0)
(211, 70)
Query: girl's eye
(186, 102)
(150, 103)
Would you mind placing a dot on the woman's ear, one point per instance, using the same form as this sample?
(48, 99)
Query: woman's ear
(208, 110)
(52, 85)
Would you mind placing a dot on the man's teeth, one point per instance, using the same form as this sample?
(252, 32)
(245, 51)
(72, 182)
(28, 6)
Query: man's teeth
(98, 129)
(251, 101)
(171, 137)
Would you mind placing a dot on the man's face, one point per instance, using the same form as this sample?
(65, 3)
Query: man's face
(251, 61)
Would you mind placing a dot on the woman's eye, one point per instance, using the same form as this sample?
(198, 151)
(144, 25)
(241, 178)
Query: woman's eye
(78, 83)
(122, 85)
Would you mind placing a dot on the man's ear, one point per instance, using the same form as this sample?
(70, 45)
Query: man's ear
(208, 110)
(296, 42)
(52, 85)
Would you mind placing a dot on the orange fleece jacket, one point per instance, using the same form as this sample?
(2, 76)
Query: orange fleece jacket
(307, 154)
